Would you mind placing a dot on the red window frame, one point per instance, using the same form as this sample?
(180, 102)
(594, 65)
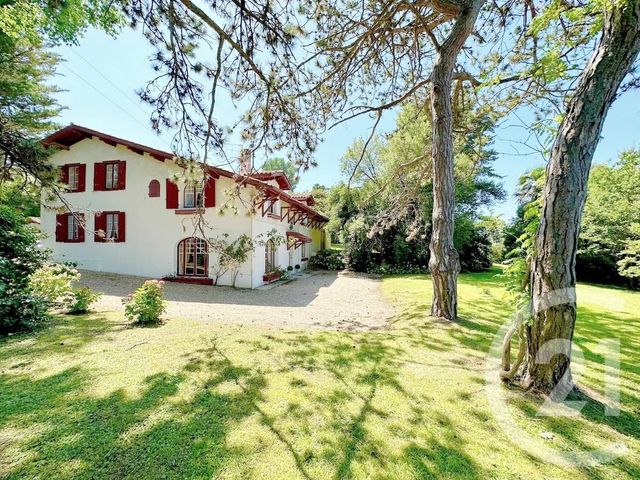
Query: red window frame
(64, 222)
(80, 177)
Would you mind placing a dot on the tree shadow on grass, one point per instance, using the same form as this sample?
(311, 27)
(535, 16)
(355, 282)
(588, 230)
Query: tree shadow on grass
(64, 432)
(63, 334)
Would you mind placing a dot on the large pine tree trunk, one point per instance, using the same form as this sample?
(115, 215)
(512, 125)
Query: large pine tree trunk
(443, 263)
(553, 278)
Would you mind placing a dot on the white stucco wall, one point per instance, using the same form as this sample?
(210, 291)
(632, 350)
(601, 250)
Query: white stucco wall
(153, 231)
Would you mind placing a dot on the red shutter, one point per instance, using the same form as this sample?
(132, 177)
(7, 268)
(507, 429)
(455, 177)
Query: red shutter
(82, 177)
(172, 194)
(80, 217)
(210, 192)
(99, 176)
(154, 188)
(121, 226)
(64, 174)
(100, 224)
(122, 175)
(61, 227)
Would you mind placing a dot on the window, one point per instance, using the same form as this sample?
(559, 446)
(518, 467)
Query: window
(74, 177)
(110, 227)
(111, 176)
(73, 228)
(193, 197)
(193, 257)
(154, 188)
(303, 250)
(70, 227)
(272, 210)
(111, 232)
(270, 257)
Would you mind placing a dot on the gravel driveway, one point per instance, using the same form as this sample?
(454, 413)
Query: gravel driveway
(324, 300)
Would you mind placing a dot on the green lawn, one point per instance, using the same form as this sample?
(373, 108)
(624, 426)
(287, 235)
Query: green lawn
(92, 397)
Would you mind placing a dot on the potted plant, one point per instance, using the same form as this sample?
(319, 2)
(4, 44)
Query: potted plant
(297, 267)
(289, 268)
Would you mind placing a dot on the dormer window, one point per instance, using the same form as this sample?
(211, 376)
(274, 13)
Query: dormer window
(193, 196)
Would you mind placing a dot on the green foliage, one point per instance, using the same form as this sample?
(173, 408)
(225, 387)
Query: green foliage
(82, 299)
(20, 257)
(327, 260)
(384, 219)
(145, 305)
(610, 234)
(53, 284)
(232, 254)
(520, 238)
(22, 197)
(280, 164)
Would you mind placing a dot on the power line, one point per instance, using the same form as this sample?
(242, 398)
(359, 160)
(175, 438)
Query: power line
(126, 112)
(99, 72)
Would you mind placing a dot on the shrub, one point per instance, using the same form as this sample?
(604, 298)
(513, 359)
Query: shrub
(297, 267)
(20, 256)
(289, 268)
(52, 283)
(82, 300)
(327, 260)
(145, 305)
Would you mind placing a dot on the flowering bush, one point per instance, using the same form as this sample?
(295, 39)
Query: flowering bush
(82, 300)
(145, 305)
(52, 283)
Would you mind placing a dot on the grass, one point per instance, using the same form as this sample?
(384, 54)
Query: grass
(92, 397)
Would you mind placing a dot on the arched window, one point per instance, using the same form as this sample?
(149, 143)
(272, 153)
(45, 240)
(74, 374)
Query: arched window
(193, 257)
(154, 188)
(193, 197)
(270, 264)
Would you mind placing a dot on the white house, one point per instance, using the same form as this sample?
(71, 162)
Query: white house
(125, 214)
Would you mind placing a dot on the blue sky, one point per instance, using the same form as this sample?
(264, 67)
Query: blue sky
(100, 77)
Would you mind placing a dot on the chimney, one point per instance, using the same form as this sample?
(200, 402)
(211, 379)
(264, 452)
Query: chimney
(246, 165)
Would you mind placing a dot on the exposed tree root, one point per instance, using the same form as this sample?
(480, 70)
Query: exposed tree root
(508, 371)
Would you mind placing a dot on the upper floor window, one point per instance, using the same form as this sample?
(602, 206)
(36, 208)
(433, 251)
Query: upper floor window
(193, 196)
(272, 209)
(111, 176)
(73, 175)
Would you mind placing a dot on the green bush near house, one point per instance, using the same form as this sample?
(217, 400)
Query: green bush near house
(82, 300)
(145, 305)
(327, 260)
(20, 257)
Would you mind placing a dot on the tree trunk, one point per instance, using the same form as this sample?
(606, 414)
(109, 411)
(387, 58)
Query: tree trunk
(443, 262)
(553, 278)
